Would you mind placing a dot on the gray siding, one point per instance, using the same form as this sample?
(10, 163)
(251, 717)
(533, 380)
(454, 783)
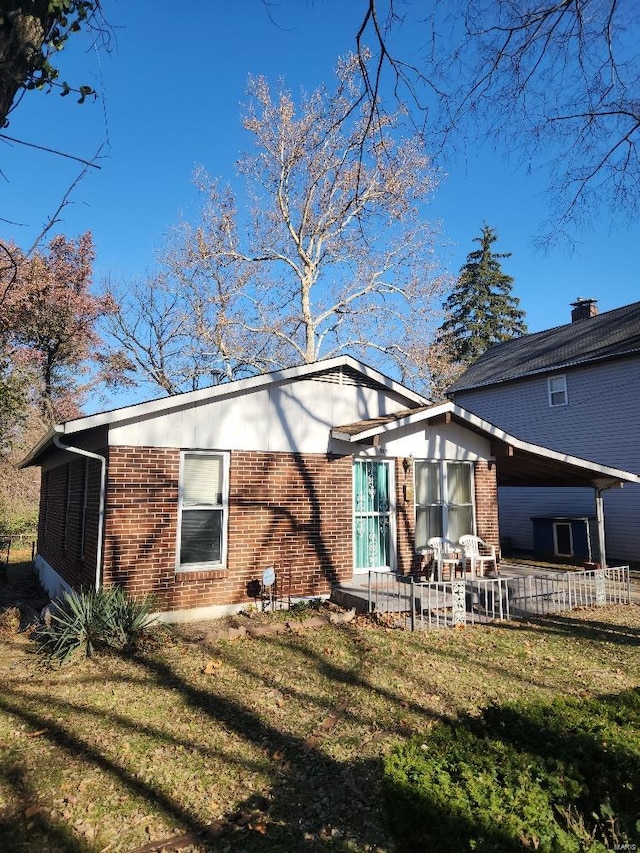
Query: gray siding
(600, 423)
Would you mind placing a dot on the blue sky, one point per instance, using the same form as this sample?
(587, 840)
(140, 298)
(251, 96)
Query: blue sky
(173, 86)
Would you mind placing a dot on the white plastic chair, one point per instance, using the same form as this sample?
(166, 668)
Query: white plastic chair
(477, 558)
(446, 555)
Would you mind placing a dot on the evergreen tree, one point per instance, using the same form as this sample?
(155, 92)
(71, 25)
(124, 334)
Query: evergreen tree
(481, 310)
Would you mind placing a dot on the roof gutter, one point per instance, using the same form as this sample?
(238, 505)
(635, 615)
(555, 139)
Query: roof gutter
(103, 480)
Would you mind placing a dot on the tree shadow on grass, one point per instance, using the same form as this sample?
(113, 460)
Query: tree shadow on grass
(315, 801)
(27, 822)
(591, 629)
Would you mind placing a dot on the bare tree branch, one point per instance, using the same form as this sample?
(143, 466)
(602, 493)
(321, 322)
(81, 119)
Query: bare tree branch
(556, 81)
(333, 256)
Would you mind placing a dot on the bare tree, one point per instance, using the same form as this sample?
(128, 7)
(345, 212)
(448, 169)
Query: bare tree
(559, 82)
(333, 253)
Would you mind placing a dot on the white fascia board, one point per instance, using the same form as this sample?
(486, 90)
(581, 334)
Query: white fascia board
(494, 432)
(546, 452)
(166, 404)
(44, 441)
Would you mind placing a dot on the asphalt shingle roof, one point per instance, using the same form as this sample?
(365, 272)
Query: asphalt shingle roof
(609, 335)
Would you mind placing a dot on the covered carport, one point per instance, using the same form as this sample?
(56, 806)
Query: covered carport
(519, 463)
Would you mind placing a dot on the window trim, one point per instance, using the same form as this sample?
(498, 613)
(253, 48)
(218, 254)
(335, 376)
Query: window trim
(224, 506)
(67, 507)
(84, 500)
(442, 503)
(562, 379)
(556, 546)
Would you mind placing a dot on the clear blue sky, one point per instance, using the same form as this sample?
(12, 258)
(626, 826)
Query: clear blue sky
(173, 86)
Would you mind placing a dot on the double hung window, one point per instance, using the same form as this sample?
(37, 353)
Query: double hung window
(203, 510)
(444, 500)
(558, 391)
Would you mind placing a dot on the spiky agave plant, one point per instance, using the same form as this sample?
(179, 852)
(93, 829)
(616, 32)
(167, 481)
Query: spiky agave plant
(73, 626)
(85, 620)
(126, 617)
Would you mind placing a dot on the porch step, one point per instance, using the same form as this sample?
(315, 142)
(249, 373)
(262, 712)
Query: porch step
(350, 597)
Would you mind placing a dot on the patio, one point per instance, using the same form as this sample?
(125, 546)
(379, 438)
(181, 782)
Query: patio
(519, 591)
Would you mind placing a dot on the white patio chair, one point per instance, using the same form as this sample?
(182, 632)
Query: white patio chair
(446, 555)
(478, 558)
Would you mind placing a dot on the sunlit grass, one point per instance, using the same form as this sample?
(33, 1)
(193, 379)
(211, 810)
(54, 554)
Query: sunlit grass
(279, 738)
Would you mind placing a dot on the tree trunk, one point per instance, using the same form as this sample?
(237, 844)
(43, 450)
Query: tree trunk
(23, 28)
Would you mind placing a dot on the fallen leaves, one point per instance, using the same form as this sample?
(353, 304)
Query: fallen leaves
(32, 811)
(185, 735)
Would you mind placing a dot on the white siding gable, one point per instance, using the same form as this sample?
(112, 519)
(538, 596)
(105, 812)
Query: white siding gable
(452, 442)
(289, 416)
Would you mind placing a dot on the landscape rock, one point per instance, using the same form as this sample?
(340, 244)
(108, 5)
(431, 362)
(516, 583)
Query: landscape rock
(342, 618)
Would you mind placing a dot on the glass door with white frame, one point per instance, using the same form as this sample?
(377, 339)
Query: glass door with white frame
(373, 515)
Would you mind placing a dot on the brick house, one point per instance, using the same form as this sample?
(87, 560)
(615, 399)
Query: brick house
(321, 471)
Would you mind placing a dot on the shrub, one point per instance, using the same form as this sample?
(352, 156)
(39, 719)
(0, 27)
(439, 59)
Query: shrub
(557, 777)
(86, 620)
(305, 608)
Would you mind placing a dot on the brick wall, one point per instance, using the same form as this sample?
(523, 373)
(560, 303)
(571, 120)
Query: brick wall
(487, 503)
(286, 510)
(290, 511)
(141, 520)
(67, 534)
(408, 561)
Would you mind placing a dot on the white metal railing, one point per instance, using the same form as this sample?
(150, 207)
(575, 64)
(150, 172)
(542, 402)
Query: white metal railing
(443, 604)
(537, 595)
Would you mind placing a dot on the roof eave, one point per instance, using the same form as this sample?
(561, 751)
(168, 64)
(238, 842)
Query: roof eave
(379, 429)
(251, 383)
(602, 473)
(550, 368)
(46, 440)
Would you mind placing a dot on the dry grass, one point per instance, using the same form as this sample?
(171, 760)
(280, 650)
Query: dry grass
(270, 744)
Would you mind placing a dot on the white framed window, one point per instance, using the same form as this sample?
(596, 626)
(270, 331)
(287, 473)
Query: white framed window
(444, 500)
(562, 539)
(203, 510)
(558, 390)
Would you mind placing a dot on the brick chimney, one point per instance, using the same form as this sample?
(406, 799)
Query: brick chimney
(583, 309)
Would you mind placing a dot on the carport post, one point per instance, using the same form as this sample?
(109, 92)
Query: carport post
(600, 520)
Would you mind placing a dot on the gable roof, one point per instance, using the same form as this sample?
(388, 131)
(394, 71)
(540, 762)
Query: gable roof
(518, 463)
(609, 335)
(341, 369)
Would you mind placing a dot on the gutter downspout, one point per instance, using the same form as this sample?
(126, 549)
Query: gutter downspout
(103, 480)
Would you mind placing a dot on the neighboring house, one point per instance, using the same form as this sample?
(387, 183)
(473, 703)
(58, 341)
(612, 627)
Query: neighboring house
(575, 388)
(320, 471)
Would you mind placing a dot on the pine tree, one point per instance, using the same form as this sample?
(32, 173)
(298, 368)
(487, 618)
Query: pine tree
(481, 309)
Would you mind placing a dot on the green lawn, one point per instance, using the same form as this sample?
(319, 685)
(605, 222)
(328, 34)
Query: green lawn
(265, 744)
